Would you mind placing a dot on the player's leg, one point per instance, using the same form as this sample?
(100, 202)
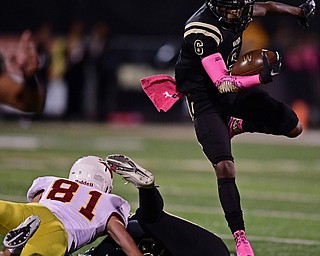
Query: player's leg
(130, 171)
(213, 135)
(150, 200)
(16, 238)
(10, 216)
(257, 111)
(51, 238)
(17, 225)
(151, 204)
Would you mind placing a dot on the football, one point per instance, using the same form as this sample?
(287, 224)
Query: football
(251, 63)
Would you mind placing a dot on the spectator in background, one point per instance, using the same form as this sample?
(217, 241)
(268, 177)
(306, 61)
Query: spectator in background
(300, 66)
(74, 73)
(53, 59)
(43, 38)
(301, 62)
(101, 68)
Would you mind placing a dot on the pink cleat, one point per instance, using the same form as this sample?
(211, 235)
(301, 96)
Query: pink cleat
(235, 126)
(243, 246)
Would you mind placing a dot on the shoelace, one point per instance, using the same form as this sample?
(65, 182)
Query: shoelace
(241, 238)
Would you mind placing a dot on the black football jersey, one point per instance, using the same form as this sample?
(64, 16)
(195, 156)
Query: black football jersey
(204, 36)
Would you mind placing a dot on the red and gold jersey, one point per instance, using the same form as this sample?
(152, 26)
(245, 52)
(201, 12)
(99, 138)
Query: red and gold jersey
(83, 211)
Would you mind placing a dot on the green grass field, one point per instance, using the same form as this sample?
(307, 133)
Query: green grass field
(278, 178)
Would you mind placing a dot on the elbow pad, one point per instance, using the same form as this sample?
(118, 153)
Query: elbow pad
(217, 71)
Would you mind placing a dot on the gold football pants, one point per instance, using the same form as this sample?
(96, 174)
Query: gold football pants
(49, 240)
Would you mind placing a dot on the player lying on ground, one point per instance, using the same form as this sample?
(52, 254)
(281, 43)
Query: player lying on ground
(156, 231)
(72, 212)
(26, 95)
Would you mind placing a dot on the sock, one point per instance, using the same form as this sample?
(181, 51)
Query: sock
(230, 202)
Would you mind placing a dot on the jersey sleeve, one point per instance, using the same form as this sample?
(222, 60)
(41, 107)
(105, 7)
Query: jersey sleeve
(38, 185)
(122, 208)
(204, 38)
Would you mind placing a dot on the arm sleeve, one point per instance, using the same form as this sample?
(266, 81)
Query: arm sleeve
(217, 71)
(38, 185)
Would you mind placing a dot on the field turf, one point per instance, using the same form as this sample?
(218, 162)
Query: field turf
(278, 178)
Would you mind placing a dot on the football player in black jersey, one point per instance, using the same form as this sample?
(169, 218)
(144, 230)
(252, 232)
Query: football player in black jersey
(222, 105)
(157, 232)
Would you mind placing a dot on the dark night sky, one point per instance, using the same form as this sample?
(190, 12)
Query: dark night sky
(123, 16)
(151, 17)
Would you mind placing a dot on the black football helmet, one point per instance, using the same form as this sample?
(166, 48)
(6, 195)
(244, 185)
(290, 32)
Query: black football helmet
(233, 15)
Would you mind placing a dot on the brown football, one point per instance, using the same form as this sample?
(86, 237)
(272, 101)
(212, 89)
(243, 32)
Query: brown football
(251, 63)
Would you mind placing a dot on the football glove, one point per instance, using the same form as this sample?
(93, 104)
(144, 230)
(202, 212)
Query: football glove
(308, 10)
(269, 70)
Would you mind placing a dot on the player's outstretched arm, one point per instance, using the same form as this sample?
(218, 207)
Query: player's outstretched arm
(27, 95)
(302, 12)
(119, 234)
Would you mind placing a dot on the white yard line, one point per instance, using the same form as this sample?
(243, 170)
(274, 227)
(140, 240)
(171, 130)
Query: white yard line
(216, 210)
(258, 213)
(19, 142)
(272, 239)
(251, 212)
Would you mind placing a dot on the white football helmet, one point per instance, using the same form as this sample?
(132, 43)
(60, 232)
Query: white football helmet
(92, 171)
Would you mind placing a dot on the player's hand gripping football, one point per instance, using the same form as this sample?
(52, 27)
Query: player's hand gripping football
(308, 10)
(269, 70)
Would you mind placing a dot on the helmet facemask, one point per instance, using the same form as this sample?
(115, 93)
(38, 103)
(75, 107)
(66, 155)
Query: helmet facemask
(234, 15)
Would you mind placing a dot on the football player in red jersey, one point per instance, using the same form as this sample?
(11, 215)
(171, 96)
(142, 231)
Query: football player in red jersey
(66, 214)
(26, 95)
(222, 105)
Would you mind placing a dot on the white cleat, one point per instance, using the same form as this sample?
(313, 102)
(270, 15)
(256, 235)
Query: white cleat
(130, 171)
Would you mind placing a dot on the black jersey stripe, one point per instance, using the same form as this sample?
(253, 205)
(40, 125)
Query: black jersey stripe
(205, 29)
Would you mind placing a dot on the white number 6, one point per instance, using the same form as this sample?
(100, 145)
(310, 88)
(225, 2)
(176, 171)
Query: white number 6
(198, 47)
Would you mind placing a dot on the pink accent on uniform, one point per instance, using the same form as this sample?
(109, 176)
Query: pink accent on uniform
(243, 246)
(217, 71)
(235, 126)
(161, 90)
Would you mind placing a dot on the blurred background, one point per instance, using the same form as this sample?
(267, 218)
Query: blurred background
(93, 54)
